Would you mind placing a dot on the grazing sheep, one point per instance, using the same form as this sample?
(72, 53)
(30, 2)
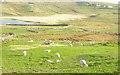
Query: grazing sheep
(45, 39)
(57, 60)
(47, 50)
(93, 15)
(24, 53)
(51, 42)
(3, 39)
(48, 42)
(70, 45)
(83, 63)
(81, 44)
(57, 55)
(92, 42)
(30, 40)
(65, 41)
(50, 61)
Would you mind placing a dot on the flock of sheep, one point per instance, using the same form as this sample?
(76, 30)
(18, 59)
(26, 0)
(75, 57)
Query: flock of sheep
(82, 62)
(48, 42)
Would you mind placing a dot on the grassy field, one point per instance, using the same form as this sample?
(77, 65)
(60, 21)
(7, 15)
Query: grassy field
(102, 57)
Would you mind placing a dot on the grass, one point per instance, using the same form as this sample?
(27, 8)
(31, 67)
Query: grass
(39, 9)
(103, 29)
(104, 57)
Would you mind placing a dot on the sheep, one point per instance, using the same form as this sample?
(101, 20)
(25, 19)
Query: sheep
(45, 39)
(3, 39)
(81, 44)
(57, 55)
(48, 42)
(50, 61)
(51, 42)
(57, 60)
(47, 50)
(65, 41)
(70, 45)
(24, 53)
(30, 40)
(83, 63)
(92, 42)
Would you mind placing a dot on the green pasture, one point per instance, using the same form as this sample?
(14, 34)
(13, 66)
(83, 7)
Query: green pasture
(101, 59)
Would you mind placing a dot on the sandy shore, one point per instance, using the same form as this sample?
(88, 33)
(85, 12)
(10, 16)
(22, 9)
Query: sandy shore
(48, 19)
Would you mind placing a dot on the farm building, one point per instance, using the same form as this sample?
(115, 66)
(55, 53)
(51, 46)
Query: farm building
(110, 7)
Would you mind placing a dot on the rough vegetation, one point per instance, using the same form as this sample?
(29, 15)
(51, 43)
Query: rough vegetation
(102, 57)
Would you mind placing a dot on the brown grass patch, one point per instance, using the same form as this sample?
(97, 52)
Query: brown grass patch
(99, 37)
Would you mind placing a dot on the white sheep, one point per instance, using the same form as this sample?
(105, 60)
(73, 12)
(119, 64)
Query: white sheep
(47, 50)
(92, 42)
(57, 55)
(81, 44)
(83, 63)
(30, 40)
(57, 60)
(3, 39)
(50, 41)
(45, 39)
(65, 41)
(24, 53)
(71, 45)
(50, 61)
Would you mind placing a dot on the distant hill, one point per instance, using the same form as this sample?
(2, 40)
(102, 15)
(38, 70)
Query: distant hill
(50, 8)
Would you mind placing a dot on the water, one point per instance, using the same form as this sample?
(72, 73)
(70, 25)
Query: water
(13, 22)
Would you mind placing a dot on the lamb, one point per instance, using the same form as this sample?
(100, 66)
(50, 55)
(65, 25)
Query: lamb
(65, 40)
(50, 61)
(81, 44)
(57, 55)
(70, 45)
(92, 42)
(47, 50)
(83, 63)
(48, 42)
(57, 60)
(24, 53)
(45, 39)
(30, 40)
(3, 39)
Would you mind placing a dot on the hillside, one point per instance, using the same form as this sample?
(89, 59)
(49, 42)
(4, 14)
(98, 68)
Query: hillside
(43, 9)
(90, 33)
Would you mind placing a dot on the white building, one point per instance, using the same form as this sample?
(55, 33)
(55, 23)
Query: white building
(110, 7)
(2, 0)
